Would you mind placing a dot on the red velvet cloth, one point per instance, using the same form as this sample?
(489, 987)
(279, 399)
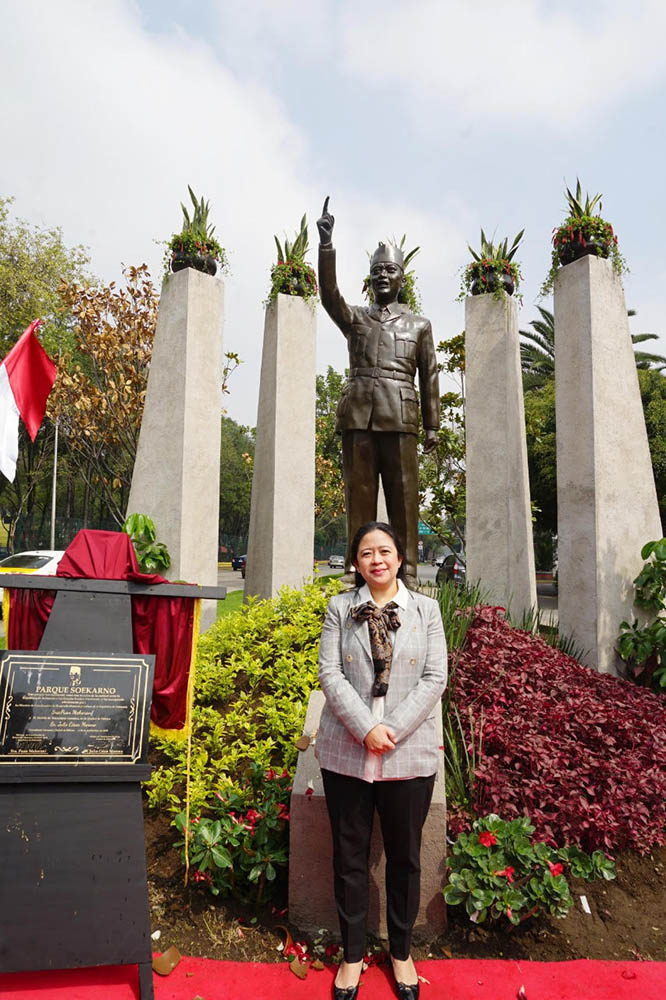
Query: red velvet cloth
(160, 625)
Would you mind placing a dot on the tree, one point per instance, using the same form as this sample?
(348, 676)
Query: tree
(442, 495)
(537, 357)
(33, 262)
(653, 395)
(541, 447)
(101, 386)
(329, 482)
(236, 461)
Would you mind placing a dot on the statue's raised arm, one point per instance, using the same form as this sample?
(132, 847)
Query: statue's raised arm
(331, 299)
(325, 225)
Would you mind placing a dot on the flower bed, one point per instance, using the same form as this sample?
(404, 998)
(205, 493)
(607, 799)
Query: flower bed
(583, 754)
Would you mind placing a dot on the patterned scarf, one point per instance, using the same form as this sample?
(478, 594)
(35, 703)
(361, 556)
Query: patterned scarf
(379, 620)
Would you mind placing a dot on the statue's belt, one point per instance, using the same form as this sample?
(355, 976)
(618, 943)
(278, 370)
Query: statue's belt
(382, 373)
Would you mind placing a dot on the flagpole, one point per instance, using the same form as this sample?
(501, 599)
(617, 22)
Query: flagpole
(53, 493)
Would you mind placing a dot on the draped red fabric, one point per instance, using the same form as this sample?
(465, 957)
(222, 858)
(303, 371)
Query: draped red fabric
(160, 625)
(29, 612)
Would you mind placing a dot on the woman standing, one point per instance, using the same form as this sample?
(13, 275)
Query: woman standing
(382, 668)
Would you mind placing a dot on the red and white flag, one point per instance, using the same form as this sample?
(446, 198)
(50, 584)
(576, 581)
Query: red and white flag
(26, 378)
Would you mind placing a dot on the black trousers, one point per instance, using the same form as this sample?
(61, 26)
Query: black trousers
(402, 807)
(365, 456)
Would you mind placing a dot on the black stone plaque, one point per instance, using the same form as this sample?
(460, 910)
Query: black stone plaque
(74, 708)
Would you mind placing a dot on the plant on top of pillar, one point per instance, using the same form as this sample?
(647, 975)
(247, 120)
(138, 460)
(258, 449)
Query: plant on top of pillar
(583, 233)
(291, 275)
(195, 246)
(409, 294)
(493, 270)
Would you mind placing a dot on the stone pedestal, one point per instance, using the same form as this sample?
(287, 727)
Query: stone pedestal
(498, 544)
(176, 479)
(606, 498)
(311, 902)
(281, 542)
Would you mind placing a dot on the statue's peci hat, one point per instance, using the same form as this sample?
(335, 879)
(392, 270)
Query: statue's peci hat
(388, 252)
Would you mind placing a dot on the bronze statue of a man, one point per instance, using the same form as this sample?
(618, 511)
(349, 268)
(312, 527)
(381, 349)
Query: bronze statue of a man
(378, 413)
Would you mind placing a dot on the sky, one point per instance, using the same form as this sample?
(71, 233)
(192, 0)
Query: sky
(428, 118)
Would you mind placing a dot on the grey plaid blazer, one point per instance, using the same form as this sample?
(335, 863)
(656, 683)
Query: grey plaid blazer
(346, 674)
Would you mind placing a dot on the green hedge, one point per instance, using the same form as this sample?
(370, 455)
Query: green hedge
(254, 674)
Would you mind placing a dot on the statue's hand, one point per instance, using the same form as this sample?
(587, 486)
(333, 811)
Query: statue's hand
(325, 224)
(430, 441)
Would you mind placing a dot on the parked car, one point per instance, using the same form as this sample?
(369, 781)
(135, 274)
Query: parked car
(42, 561)
(238, 562)
(451, 569)
(336, 562)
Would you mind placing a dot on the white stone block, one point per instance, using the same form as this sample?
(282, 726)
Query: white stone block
(281, 542)
(176, 479)
(606, 497)
(498, 535)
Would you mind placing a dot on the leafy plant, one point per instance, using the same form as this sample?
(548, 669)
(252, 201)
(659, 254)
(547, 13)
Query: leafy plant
(196, 236)
(255, 670)
(493, 269)
(643, 646)
(498, 870)
(583, 232)
(461, 758)
(241, 847)
(409, 293)
(582, 753)
(152, 555)
(291, 275)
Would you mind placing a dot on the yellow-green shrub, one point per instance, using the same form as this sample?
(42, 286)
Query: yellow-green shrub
(254, 674)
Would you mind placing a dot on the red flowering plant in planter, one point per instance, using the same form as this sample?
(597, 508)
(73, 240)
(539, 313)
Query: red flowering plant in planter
(582, 754)
(195, 245)
(493, 270)
(498, 870)
(291, 275)
(582, 233)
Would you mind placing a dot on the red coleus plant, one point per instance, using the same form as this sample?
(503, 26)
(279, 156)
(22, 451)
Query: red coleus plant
(582, 753)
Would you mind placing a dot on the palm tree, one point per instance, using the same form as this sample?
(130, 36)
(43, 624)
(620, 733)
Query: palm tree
(537, 358)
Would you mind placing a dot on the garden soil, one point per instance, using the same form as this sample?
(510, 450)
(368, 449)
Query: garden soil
(627, 918)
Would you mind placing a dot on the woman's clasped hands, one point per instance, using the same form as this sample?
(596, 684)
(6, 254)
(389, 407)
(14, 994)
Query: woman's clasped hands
(380, 739)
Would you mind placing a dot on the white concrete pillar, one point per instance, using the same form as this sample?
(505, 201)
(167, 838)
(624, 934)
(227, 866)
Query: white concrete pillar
(281, 542)
(606, 498)
(176, 479)
(498, 535)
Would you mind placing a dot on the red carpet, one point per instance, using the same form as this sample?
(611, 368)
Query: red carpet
(449, 980)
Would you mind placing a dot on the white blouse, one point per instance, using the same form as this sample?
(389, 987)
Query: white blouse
(373, 762)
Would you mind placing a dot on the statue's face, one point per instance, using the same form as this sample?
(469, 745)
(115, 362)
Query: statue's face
(386, 278)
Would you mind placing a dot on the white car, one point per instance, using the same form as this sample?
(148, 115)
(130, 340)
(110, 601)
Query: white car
(42, 561)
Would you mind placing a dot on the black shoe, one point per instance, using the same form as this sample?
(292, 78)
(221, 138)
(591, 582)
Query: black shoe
(348, 993)
(406, 992)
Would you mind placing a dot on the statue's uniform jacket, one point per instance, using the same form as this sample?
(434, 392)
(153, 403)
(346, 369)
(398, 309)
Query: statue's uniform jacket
(386, 349)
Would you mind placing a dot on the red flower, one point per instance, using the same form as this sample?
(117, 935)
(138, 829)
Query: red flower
(507, 873)
(487, 839)
(508, 912)
(556, 869)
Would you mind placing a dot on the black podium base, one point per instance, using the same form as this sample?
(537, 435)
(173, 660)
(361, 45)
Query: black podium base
(73, 876)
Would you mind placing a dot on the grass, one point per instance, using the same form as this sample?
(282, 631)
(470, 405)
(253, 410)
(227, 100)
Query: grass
(232, 602)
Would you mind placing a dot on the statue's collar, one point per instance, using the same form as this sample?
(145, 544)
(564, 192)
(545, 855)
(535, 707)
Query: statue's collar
(394, 308)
